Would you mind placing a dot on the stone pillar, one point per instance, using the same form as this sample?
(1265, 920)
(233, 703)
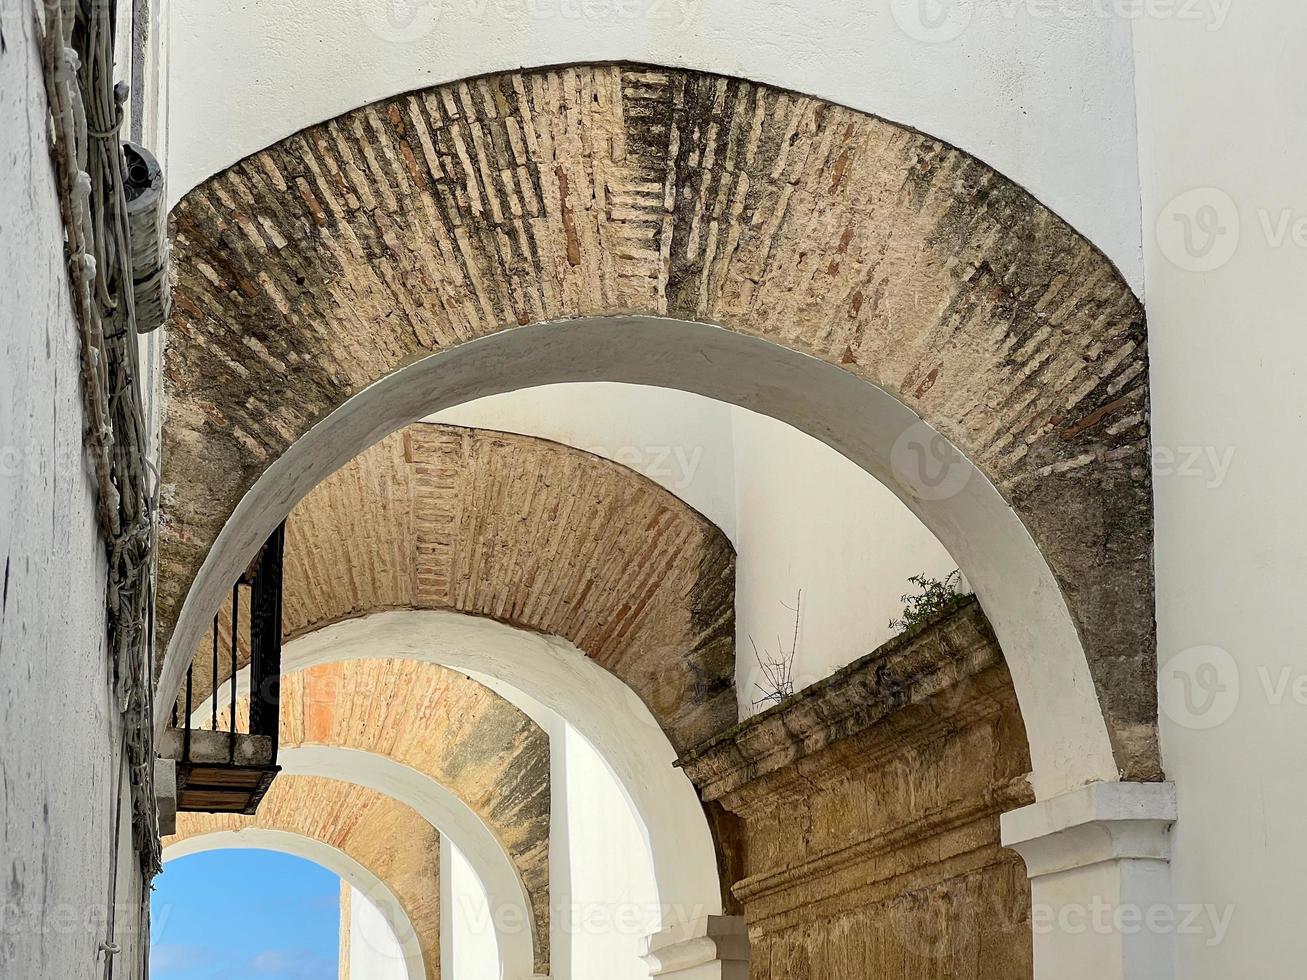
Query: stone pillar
(1098, 860)
(715, 947)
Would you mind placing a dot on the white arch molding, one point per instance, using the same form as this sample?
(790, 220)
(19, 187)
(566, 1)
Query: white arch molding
(324, 855)
(552, 674)
(510, 904)
(1064, 723)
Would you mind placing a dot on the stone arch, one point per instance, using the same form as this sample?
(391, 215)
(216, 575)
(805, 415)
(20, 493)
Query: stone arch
(398, 850)
(440, 725)
(418, 231)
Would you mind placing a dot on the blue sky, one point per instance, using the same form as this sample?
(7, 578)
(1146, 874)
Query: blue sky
(234, 915)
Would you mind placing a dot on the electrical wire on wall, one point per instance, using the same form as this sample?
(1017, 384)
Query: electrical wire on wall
(86, 116)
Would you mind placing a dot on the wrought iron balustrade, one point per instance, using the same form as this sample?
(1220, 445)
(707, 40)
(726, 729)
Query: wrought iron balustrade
(227, 758)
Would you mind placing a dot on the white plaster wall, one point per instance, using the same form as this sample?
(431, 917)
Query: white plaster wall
(613, 904)
(679, 440)
(602, 885)
(473, 953)
(57, 725)
(1042, 91)
(1224, 123)
(800, 515)
(810, 520)
(374, 952)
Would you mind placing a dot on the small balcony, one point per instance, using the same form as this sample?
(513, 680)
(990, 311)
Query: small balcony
(226, 753)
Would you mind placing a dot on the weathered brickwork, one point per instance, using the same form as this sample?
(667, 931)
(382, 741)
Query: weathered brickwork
(531, 533)
(448, 727)
(393, 842)
(870, 804)
(319, 265)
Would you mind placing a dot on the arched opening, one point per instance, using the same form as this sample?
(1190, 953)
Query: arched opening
(346, 868)
(921, 285)
(1069, 739)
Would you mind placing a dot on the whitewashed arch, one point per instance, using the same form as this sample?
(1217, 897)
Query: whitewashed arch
(1069, 740)
(324, 855)
(509, 901)
(552, 673)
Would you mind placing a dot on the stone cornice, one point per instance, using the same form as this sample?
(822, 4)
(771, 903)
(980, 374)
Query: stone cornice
(923, 662)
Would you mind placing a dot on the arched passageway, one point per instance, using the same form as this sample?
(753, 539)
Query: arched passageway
(560, 677)
(404, 728)
(818, 265)
(530, 533)
(400, 877)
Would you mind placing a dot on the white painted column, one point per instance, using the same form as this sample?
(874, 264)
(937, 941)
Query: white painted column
(715, 947)
(1099, 865)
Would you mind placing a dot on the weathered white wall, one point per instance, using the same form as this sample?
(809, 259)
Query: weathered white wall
(800, 515)
(57, 725)
(1223, 118)
(374, 952)
(1042, 91)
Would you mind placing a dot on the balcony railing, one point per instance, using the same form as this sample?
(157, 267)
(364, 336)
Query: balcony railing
(226, 750)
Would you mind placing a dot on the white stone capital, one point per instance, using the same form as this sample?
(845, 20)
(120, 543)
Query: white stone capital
(715, 947)
(1098, 822)
(1098, 860)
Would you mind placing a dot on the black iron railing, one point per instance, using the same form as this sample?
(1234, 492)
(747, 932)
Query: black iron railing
(226, 763)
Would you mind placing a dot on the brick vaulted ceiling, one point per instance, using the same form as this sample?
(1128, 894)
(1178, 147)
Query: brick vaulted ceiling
(447, 727)
(390, 840)
(323, 263)
(530, 533)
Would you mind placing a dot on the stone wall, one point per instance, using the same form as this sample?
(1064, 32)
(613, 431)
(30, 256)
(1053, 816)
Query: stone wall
(870, 807)
(387, 838)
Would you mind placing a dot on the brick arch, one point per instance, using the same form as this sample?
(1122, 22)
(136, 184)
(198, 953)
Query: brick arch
(446, 727)
(428, 225)
(389, 840)
(533, 534)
